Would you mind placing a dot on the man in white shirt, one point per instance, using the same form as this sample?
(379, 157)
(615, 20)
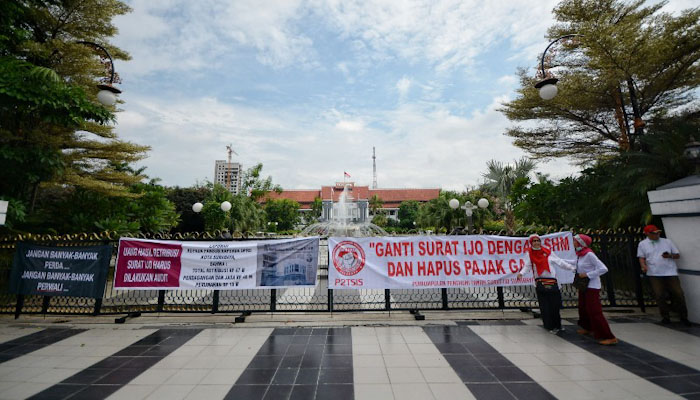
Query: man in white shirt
(656, 257)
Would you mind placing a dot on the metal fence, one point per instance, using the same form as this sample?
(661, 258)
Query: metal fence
(622, 286)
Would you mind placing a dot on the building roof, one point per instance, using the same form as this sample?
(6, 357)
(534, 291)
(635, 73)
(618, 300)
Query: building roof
(391, 198)
(303, 197)
(692, 180)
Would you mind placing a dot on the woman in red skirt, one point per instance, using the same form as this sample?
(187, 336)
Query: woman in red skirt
(590, 312)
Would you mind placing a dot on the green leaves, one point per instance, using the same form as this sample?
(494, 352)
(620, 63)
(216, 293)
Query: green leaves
(284, 212)
(634, 63)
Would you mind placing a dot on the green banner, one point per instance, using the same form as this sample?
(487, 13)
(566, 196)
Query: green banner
(60, 271)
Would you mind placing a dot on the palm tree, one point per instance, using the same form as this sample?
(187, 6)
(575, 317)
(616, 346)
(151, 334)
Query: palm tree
(499, 179)
(375, 204)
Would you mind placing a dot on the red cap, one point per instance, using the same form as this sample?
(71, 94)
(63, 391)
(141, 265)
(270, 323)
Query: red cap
(650, 229)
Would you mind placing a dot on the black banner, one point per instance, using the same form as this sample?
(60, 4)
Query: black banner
(60, 271)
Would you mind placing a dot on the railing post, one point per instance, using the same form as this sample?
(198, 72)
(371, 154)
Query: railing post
(273, 300)
(45, 304)
(98, 306)
(215, 302)
(444, 298)
(330, 300)
(161, 300)
(608, 277)
(501, 298)
(19, 305)
(639, 287)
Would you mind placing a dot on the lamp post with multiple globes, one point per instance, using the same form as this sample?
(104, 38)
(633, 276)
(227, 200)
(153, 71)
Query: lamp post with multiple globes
(469, 208)
(225, 207)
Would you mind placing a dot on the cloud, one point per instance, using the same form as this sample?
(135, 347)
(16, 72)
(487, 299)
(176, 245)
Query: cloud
(403, 85)
(419, 145)
(185, 35)
(350, 126)
(308, 87)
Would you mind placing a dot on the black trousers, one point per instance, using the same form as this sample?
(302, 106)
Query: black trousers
(550, 304)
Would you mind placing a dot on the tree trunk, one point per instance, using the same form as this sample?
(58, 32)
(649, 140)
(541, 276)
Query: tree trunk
(510, 222)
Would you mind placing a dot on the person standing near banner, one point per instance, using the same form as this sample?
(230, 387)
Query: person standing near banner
(590, 311)
(656, 257)
(541, 261)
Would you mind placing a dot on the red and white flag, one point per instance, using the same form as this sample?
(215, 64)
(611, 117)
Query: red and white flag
(346, 174)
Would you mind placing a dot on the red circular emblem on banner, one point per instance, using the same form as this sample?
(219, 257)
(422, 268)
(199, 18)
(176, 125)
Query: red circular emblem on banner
(348, 258)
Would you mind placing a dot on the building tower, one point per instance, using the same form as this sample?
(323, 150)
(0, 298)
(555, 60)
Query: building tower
(374, 169)
(227, 173)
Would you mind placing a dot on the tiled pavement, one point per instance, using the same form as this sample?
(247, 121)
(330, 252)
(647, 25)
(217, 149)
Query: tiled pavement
(464, 360)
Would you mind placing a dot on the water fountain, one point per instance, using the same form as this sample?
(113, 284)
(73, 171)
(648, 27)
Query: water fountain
(343, 221)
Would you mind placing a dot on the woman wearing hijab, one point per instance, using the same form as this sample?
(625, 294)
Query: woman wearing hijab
(590, 312)
(541, 261)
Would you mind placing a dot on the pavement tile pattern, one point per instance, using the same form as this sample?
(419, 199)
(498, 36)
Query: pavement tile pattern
(502, 359)
(34, 341)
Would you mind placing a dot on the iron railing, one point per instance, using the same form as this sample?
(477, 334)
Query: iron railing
(622, 286)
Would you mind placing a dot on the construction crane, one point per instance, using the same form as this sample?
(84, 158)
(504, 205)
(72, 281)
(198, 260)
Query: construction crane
(230, 150)
(374, 169)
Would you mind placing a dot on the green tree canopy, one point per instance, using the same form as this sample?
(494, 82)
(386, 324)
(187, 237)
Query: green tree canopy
(284, 212)
(633, 66)
(255, 185)
(184, 198)
(69, 209)
(408, 214)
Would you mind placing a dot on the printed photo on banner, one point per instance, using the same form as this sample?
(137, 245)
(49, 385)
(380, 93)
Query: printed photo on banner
(416, 262)
(60, 271)
(289, 263)
(221, 265)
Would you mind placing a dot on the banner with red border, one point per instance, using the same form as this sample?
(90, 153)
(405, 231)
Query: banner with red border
(146, 264)
(424, 262)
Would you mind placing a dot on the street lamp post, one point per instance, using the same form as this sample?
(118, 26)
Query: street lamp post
(548, 86)
(225, 207)
(548, 90)
(108, 93)
(272, 224)
(469, 208)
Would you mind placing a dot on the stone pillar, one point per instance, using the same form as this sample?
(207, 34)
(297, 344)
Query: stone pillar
(362, 205)
(678, 204)
(327, 208)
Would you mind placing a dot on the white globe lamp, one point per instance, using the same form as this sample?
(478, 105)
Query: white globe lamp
(482, 203)
(548, 92)
(197, 207)
(225, 206)
(454, 204)
(106, 97)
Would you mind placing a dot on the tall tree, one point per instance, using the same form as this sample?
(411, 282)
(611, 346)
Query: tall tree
(375, 204)
(255, 186)
(633, 66)
(284, 212)
(56, 126)
(500, 178)
(408, 213)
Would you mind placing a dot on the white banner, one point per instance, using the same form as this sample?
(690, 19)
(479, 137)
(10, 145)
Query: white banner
(223, 265)
(423, 262)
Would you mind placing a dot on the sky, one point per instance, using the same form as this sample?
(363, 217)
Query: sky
(309, 87)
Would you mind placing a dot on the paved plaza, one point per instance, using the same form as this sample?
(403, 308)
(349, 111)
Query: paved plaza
(450, 355)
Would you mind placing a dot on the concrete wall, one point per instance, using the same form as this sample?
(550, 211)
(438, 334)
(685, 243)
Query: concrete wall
(678, 204)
